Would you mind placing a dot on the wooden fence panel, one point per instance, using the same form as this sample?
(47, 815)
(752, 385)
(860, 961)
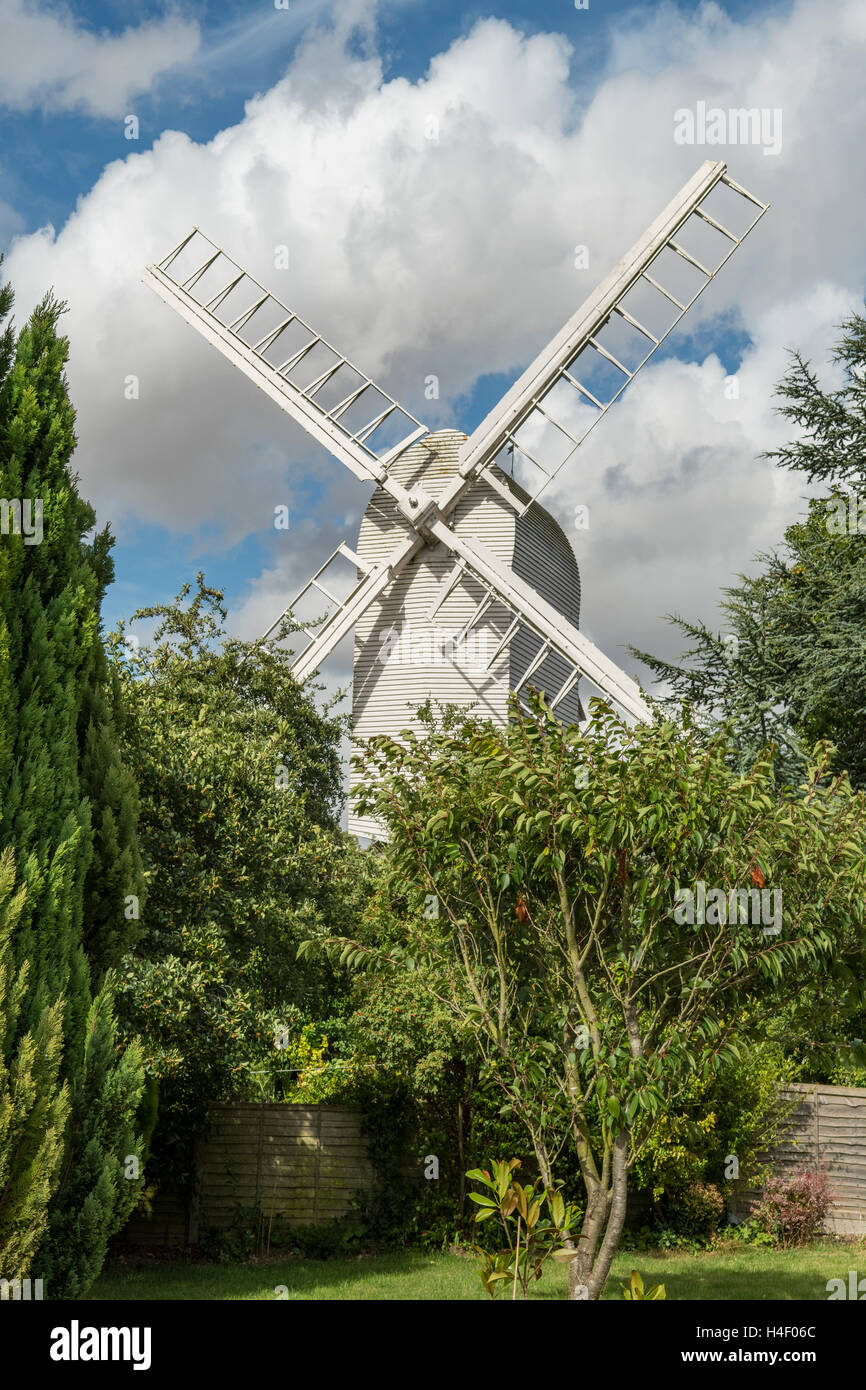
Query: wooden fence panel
(828, 1124)
(305, 1164)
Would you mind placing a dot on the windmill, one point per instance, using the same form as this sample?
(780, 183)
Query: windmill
(454, 535)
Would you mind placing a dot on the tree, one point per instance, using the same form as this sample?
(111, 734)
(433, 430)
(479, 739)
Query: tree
(789, 667)
(57, 734)
(114, 890)
(610, 899)
(416, 1077)
(240, 790)
(102, 1176)
(34, 1102)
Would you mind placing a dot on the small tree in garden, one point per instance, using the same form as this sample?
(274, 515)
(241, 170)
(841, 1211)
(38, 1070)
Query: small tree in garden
(239, 780)
(607, 901)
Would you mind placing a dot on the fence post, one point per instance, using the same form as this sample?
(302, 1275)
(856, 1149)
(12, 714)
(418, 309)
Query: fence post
(261, 1140)
(317, 1174)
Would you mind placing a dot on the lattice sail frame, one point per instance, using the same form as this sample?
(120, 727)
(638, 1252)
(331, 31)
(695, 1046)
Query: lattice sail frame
(552, 393)
(319, 387)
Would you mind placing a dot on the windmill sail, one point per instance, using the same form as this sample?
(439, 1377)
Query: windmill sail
(343, 409)
(580, 374)
(340, 619)
(556, 638)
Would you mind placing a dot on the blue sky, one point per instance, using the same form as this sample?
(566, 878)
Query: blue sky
(542, 90)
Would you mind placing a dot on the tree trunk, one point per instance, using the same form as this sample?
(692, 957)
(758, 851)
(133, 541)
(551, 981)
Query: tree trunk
(603, 1222)
(616, 1217)
(580, 1268)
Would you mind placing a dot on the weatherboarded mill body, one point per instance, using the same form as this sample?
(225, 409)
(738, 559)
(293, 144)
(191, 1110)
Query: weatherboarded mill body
(437, 633)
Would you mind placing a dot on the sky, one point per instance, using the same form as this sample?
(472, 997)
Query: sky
(307, 126)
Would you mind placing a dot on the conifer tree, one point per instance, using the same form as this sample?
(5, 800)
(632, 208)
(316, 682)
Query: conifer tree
(67, 811)
(787, 669)
(34, 1102)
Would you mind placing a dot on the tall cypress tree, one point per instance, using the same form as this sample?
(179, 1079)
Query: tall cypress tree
(67, 809)
(34, 1100)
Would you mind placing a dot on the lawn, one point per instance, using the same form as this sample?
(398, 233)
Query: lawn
(746, 1275)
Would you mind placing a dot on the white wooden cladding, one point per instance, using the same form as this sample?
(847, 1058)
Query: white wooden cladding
(537, 552)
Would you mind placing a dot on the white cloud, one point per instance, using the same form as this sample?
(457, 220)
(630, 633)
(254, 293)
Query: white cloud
(52, 63)
(455, 257)
(11, 222)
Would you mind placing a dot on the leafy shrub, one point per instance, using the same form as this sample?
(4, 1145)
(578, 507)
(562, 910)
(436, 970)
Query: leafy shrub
(229, 1245)
(324, 1242)
(846, 1071)
(793, 1208)
(254, 1232)
(743, 1233)
(666, 1238)
(739, 1111)
(697, 1209)
(523, 1208)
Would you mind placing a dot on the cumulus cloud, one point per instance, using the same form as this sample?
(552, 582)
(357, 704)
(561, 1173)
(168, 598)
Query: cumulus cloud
(11, 221)
(431, 228)
(52, 63)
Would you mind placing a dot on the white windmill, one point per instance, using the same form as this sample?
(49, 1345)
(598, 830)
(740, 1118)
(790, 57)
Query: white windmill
(464, 586)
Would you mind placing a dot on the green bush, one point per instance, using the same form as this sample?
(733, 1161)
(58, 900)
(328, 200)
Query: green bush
(736, 1114)
(697, 1209)
(255, 1233)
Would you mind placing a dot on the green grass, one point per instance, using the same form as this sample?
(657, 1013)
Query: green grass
(747, 1275)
